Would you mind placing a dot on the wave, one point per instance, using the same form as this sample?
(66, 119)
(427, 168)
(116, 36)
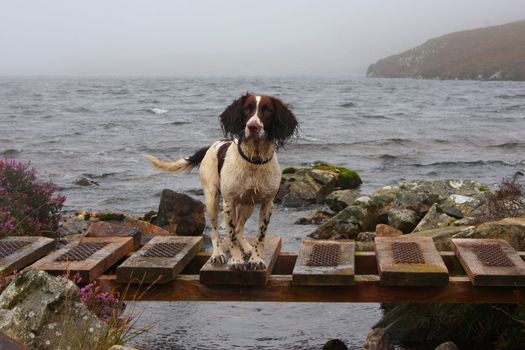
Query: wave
(157, 111)
(470, 163)
(375, 116)
(510, 97)
(78, 110)
(179, 123)
(149, 100)
(509, 145)
(99, 176)
(347, 105)
(116, 92)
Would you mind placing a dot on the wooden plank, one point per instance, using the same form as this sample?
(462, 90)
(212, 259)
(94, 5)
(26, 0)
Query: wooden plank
(367, 289)
(307, 273)
(36, 248)
(140, 268)
(490, 262)
(415, 263)
(115, 229)
(222, 274)
(92, 266)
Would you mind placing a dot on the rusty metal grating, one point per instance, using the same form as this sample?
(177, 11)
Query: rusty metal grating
(9, 247)
(407, 253)
(164, 250)
(492, 255)
(324, 255)
(82, 251)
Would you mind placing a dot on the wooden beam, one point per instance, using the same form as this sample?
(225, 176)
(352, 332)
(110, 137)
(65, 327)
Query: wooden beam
(280, 289)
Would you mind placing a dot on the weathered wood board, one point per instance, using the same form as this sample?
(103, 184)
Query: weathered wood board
(490, 262)
(325, 262)
(410, 262)
(16, 252)
(222, 274)
(160, 260)
(89, 257)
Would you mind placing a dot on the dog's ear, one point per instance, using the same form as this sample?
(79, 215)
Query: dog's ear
(284, 124)
(232, 119)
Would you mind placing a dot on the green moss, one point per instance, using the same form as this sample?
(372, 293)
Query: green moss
(289, 170)
(483, 189)
(111, 217)
(347, 178)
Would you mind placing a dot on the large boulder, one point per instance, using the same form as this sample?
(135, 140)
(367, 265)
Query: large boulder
(46, 312)
(442, 236)
(303, 186)
(180, 214)
(404, 220)
(510, 229)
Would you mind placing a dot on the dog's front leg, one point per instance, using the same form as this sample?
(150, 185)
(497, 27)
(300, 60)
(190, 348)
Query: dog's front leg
(236, 260)
(256, 261)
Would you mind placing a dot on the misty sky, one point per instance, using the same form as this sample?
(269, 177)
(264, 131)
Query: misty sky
(228, 37)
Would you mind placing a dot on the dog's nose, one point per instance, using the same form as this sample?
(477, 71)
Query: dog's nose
(254, 128)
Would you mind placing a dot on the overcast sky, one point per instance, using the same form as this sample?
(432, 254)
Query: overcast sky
(228, 37)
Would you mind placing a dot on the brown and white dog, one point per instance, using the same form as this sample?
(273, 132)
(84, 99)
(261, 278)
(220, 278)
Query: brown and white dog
(244, 169)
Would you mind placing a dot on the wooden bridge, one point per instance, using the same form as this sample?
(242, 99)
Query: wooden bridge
(170, 268)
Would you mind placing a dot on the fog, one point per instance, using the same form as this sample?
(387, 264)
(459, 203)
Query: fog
(226, 38)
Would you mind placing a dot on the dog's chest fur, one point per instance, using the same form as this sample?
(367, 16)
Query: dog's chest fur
(247, 183)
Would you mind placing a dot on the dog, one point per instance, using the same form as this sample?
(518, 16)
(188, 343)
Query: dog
(244, 169)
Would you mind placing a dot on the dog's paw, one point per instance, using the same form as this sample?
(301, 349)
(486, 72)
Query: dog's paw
(256, 263)
(238, 265)
(218, 259)
(247, 254)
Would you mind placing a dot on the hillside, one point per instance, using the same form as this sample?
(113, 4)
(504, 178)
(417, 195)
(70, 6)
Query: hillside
(491, 53)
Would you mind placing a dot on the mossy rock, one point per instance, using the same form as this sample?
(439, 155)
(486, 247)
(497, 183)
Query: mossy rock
(347, 178)
(289, 170)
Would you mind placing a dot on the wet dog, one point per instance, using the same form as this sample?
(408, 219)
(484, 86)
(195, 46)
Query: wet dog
(243, 169)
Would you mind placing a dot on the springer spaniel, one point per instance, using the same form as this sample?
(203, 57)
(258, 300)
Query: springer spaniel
(244, 169)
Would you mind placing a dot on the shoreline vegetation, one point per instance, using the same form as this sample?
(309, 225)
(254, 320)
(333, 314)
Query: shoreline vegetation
(441, 209)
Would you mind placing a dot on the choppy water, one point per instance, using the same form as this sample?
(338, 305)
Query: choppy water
(388, 130)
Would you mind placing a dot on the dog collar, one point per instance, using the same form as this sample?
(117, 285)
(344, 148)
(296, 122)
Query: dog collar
(255, 160)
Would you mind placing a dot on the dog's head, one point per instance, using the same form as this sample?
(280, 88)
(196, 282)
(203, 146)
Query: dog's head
(259, 117)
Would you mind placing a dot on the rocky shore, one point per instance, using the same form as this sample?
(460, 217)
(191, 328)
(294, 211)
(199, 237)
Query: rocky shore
(442, 209)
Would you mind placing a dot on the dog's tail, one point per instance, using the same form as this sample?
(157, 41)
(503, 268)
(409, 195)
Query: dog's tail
(182, 165)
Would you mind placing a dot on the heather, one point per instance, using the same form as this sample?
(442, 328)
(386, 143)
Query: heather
(28, 206)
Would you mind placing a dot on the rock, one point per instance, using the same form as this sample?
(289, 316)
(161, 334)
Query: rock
(510, 229)
(454, 212)
(180, 214)
(303, 186)
(365, 236)
(46, 312)
(460, 205)
(120, 347)
(442, 236)
(340, 199)
(147, 230)
(447, 346)
(315, 218)
(434, 218)
(383, 230)
(72, 224)
(345, 225)
(335, 344)
(377, 339)
(108, 229)
(84, 181)
(403, 219)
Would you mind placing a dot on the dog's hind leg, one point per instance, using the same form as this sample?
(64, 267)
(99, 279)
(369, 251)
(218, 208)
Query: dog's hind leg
(236, 260)
(256, 261)
(212, 207)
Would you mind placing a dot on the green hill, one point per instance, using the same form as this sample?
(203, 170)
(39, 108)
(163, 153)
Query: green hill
(491, 53)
